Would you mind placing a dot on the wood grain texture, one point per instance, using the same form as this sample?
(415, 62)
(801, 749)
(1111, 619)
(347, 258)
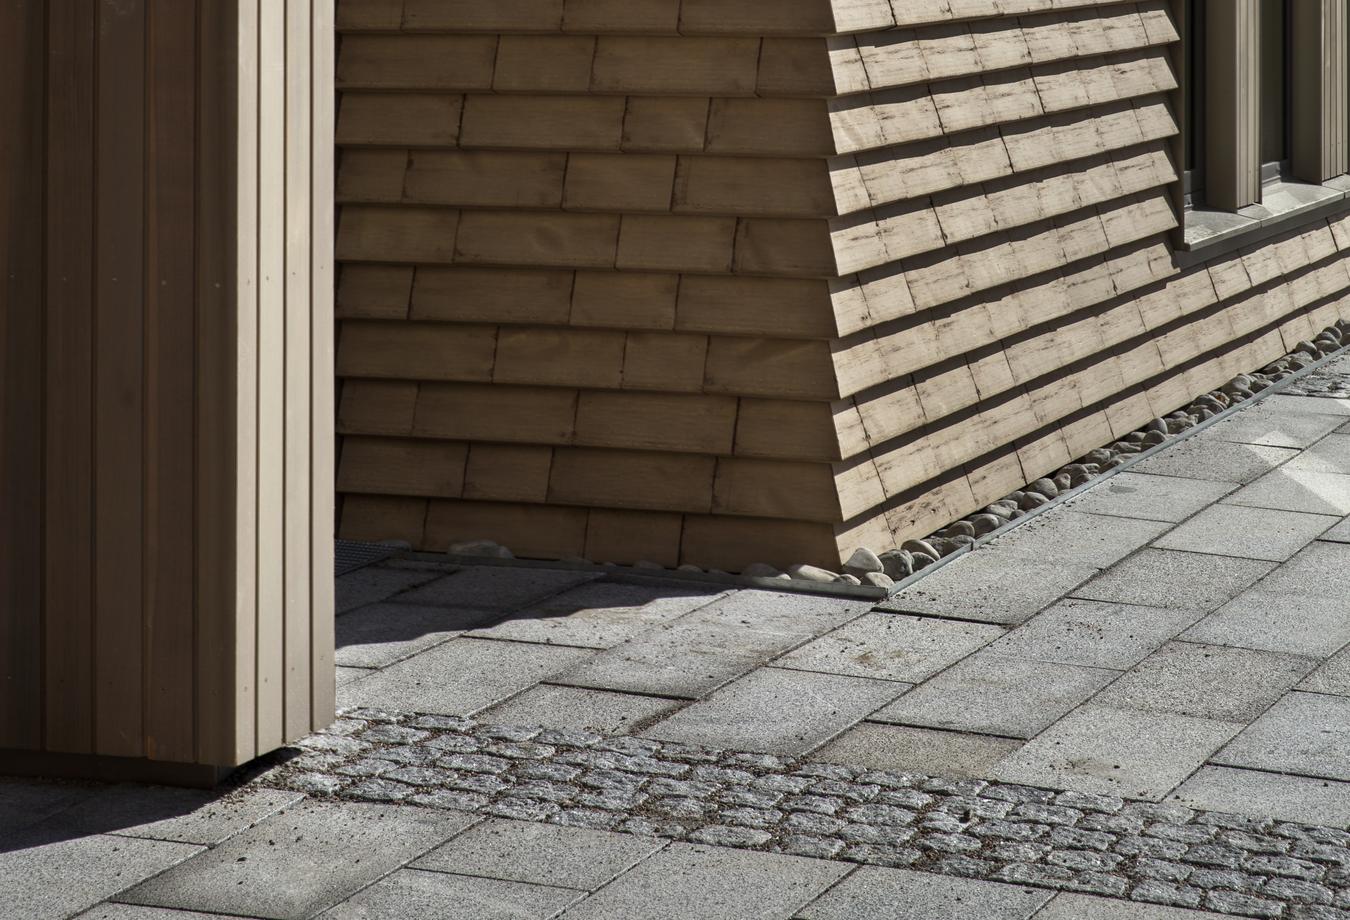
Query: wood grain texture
(167, 411)
(925, 248)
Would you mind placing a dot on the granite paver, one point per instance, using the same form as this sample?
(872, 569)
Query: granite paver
(1168, 578)
(1266, 425)
(1292, 489)
(1332, 677)
(1304, 733)
(114, 911)
(1153, 498)
(376, 583)
(892, 646)
(598, 615)
(996, 694)
(461, 677)
(1252, 533)
(1207, 681)
(1110, 751)
(540, 854)
(1259, 794)
(301, 861)
(991, 587)
(495, 587)
(918, 750)
(897, 894)
(683, 881)
(552, 706)
(413, 895)
(1098, 540)
(1215, 460)
(1089, 907)
(778, 710)
(1278, 621)
(381, 634)
(1096, 634)
(47, 876)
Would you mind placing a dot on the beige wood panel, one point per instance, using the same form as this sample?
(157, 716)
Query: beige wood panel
(167, 412)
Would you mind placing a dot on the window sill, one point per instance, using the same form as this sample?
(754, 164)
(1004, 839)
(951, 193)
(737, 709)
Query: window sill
(1284, 205)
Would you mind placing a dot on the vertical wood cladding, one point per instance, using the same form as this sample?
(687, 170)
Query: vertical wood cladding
(165, 411)
(712, 282)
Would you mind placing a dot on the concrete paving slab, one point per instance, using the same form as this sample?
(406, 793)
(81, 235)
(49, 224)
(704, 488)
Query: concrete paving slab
(994, 694)
(162, 813)
(374, 583)
(1207, 681)
(892, 646)
(1153, 498)
(1338, 534)
(1297, 490)
(1250, 533)
(712, 883)
(1307, 405)
(503, 588)
(1268, 426)
(347, 675)
(540, 854)
(461, 677)
(712, 646)
(1277, 621)
(48, 877)
(25, 802)
(114, 911)
(301, 861)
(1090, 907)
(1181, 581)
(874, 893)
(599, 614)
(1095, 634)
(550, 706)
(413, 895)
(1121, 752)
(1078, 538)
(1319, 570)
(1257, 794)
(1329, 455)
(378, 635)
(990, 587)
(917, 750)
(1215, 460)
(1304, 733)
(778, 711)
(1332, 677)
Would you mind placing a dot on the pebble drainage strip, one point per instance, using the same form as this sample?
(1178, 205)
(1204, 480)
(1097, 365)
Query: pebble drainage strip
(1156, 853)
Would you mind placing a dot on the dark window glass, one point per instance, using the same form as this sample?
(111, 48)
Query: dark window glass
(1274, 81)
(1194, 76)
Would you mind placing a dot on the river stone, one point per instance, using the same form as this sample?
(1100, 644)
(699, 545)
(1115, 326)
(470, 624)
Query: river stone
(1032, 500)
(960, 529)
(1155, 438)
(862, 562)
(1044, 487)
(480, 548)
(920, 546)
(847, 580)
(1063, 481)
(898, 564)
(986, 523)
(923, 560)
(811, 573)
(760, 570)
(878, 580)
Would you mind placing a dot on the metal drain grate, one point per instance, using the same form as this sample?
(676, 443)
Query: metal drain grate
(350, 555)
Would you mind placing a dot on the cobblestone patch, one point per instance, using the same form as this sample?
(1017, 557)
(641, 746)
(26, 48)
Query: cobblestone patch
(1153, 853)
(1332, 381)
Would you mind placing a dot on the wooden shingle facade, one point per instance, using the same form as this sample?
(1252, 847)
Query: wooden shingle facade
(713, 282)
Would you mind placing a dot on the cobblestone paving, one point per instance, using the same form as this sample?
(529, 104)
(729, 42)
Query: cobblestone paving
(1331, 381)
(1152, 853)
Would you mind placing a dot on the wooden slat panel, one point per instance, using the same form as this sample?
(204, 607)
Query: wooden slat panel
(323, 691)
(170, 663)
(22, 165)
(70, 278)
(246, 475)
(271, 679)
(215, 601)
(298, 419)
